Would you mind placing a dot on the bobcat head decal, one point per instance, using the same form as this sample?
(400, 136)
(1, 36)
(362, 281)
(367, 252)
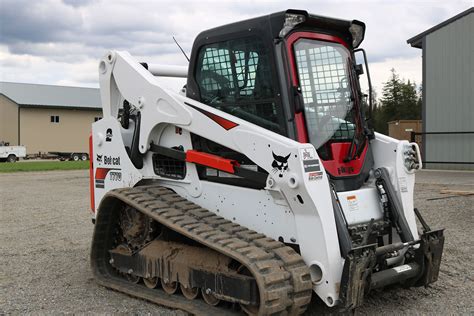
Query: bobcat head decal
(280, 164)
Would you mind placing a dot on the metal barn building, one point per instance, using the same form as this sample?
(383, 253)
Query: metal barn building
(47, 118)
(448, 92)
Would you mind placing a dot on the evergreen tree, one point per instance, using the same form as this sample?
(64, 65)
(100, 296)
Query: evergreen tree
(419, 103)
(400, 101)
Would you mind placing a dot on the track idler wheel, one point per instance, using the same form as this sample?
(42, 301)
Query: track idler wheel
(151, 283)
(209, 298)
(169, 287)
(189, 293)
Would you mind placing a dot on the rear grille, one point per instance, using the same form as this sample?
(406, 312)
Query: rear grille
(168, 167)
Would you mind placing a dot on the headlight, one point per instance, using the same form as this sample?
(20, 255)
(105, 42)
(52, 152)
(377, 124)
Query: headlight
(412, 157)
(291, 20)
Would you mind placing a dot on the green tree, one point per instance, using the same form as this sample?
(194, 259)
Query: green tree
(400, 101)
(419, 103)
(370, 113)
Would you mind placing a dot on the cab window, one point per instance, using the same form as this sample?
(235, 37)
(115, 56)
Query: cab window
(235, 76)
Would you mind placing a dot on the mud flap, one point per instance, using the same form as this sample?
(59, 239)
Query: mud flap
(355, 276)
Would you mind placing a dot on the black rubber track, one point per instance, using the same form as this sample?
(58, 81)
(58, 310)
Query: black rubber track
(282, 277)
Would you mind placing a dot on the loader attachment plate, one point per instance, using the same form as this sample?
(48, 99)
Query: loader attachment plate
(429, 256)
(357, 268)
(358, 277)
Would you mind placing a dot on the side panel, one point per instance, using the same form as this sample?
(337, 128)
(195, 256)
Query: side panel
(112, 168)
(449, 82)
(254, 209)
(388, 152)
(18, 151)
(265, 211)
(360, 206)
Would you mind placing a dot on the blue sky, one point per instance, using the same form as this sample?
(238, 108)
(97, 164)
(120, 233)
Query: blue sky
(60, 42)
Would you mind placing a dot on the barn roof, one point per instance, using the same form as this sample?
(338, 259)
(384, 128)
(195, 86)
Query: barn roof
(417, 41)
(40, 95)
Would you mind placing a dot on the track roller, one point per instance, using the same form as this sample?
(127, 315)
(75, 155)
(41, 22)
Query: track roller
(151, 283)
(169, 287)
(189, 293)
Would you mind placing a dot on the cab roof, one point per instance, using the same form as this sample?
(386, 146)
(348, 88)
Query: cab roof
(270, 26)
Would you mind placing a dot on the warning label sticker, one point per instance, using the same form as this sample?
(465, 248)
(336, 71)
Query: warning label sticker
(403, 268)
(308, 153)
(311, 165)
(315, 175)
(403, 184)
(352, 203)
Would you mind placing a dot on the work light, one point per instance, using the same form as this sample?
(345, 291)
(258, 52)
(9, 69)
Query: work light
(357, 31)
(291, 20)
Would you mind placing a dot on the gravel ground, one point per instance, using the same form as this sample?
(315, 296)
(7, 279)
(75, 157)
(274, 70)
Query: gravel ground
(45, 232)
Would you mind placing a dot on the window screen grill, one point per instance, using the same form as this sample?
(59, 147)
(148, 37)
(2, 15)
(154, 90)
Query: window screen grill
(235, 76)
(322, 74)
(232, 66)
(216, 60)
(324, 81)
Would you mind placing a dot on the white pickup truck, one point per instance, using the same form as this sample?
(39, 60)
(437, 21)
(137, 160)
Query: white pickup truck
(11, 153)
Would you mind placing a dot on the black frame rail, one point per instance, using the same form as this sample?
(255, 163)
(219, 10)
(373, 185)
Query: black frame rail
(413, 139)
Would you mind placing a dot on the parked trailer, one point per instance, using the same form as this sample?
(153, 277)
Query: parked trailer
(74, 156)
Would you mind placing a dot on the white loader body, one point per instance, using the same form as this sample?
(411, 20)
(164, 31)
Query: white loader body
(295, 207)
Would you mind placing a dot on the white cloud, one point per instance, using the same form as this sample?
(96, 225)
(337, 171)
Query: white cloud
(61, 42)
(406, 68)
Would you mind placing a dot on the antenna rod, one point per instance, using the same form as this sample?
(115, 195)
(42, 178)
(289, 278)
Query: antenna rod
(181, 49)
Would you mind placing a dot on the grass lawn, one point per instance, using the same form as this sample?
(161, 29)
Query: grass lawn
(42, 166)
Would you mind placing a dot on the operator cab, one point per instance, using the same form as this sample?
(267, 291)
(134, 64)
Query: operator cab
(292, 73)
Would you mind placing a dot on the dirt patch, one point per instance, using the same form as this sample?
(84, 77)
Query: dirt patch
(45, 232)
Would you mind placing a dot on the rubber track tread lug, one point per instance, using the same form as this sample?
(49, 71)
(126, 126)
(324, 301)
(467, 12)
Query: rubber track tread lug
(282, 277)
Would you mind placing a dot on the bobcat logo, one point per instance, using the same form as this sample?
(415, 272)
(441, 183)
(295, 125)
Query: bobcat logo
(280, 164)
(99, 158)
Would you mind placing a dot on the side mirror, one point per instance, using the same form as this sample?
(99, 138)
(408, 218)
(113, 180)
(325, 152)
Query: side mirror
(359, 69)
(368, 79)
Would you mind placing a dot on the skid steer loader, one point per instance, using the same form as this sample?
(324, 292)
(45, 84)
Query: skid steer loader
(259, 182)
